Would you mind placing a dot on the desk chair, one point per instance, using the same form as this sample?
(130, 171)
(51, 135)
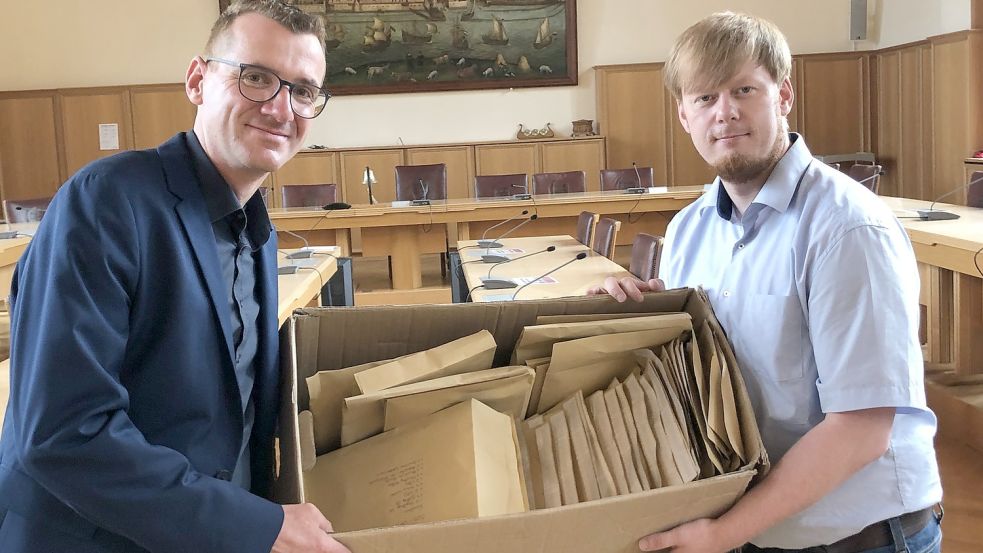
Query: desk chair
(418, 182)
(619, 179)
(868, 175)
(585, 227)
(974, 194)
(500, 186)
(308, 195)
(413, 180)
(646, 254)
(559, 183)
(605, 236)
(25, 211)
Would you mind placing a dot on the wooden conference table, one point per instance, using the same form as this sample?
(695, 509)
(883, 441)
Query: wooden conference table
(404, 233)
(571, 280)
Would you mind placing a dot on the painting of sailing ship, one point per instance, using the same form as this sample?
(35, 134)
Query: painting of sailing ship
(383, 46)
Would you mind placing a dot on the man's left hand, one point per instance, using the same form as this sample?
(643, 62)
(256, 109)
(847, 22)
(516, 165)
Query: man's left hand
(699, 536)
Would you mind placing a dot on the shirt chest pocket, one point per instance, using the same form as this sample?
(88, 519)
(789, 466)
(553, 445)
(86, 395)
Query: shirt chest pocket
(775, 336)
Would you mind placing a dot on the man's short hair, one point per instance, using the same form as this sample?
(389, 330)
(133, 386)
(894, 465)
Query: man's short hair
(712, 51)
(296, 20)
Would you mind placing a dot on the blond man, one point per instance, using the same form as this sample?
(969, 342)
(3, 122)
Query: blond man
(815, 282)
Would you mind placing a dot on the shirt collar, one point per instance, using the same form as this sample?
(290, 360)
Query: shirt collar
(777, 191)
(220, 201)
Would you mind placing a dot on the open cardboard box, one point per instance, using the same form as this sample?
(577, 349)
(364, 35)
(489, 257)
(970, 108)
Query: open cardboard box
(332, 338)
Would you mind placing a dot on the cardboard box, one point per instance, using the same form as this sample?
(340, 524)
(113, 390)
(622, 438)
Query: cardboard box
(332, 338)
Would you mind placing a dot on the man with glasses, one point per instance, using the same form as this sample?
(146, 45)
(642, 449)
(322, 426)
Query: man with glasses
(144, 375)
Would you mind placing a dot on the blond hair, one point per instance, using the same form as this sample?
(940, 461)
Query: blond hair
(294, 19)
(710, 52)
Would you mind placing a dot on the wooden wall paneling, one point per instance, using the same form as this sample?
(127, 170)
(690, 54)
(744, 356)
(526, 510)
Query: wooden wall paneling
(309, 167)
(504, 159)
(632, 117)
(687, 166)
(888, 148)
(29, 145)
(460, 166)
(383, 164)
(581, 155)
(974, 91)
(911, 156)
(950, 65)
(159, 112)
(834, 118)
(928, 121)
(82, 111)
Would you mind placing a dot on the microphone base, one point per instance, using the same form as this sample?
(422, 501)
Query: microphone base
(494, 259)
(287, 270)
(934, 215)
(420, 202)
(521, 197)
(5, 235)
(496, 284)
(489, 244)
(635, 190)
(302, 254)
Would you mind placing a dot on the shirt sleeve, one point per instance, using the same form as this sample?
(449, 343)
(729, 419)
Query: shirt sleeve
(863, 322)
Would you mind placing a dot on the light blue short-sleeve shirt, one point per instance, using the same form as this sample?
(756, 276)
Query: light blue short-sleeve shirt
(817, 288)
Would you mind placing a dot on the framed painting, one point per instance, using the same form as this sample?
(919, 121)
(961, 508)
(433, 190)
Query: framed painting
(385, 46)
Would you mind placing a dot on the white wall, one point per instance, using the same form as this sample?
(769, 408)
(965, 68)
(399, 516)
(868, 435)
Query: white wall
(76, 43)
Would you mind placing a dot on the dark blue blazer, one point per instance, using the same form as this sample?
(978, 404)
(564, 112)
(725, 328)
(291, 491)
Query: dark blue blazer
(125, 420)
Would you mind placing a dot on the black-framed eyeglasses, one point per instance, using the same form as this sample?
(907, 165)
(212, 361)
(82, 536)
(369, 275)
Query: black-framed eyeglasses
(259, 84)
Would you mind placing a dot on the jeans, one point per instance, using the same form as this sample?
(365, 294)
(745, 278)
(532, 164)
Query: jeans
(926, 540)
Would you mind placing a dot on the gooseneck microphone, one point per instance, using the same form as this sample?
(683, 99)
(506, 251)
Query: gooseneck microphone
(497, 244)
(580, 256)
(425, 200)
(491, 243)
(638, 188)
(497, 284)
(931, 214)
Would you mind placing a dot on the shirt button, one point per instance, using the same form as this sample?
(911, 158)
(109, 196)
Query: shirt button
(726, 293)
(740, 246)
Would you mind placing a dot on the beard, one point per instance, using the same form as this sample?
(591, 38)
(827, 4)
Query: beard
(739, 168)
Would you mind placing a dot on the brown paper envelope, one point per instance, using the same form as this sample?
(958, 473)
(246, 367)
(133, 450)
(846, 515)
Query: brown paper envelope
(621, 439)
(605, 481)
(538, 341)
(554, 319)
(636, 399)
(534, 474)
(707, 455)
(584, 351)
(605, 437)
(682, 450)
(508, 394)
(541, 368)
(364, 415)
(458, 463)
(689, 398)
(637, 455)
(563, 456)
(560, 384)
(667, 464)
(664, 367)
(471, 353)
(328, 390)
(552, 496)
(583, 455)
(731, 420)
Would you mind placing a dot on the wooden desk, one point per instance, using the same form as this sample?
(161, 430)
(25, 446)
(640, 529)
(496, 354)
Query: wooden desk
(405, 233)
(952, 285)
(303, 287)
(10, 251)
(572, 280)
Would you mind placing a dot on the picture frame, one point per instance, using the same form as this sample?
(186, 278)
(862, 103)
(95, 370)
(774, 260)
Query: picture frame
(397, 46)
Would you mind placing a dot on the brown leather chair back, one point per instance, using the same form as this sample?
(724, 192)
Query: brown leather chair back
(867, 175)
(25, 211)
(559, 183)
(605, 236)
(498, 186)
(307, 195)
(974, 193)
(619, 179)
(411, 180)
(585, 227)
(646, 253)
